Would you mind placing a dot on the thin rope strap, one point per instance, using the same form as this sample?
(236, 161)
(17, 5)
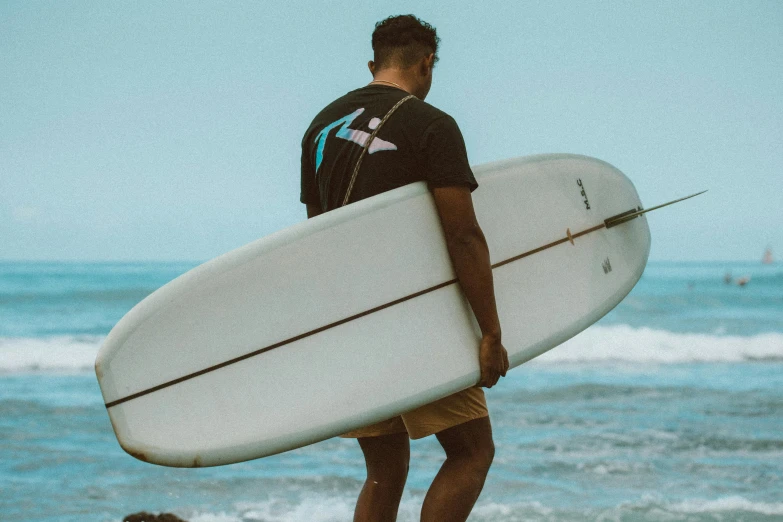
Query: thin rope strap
(367, 146)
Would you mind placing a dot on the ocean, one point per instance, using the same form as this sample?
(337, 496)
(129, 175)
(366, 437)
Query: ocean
(669, 408)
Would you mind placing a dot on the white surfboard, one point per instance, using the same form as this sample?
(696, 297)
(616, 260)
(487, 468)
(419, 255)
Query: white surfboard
(356, 316)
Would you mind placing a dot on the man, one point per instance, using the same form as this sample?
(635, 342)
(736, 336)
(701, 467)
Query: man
(417, 142)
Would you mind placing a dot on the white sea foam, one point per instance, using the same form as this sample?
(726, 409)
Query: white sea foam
(624, 343)
(338, 508)
(48, 354)
(341, 508)
(596, 344)
(728, 504)
(312, 508)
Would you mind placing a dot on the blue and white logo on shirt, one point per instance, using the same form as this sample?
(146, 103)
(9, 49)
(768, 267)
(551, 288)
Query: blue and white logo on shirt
(355, 135)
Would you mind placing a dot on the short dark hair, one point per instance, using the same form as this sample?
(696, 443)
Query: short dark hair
(403, 40)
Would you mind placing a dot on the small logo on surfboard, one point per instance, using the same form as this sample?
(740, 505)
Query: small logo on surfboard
(584, 194)
(607, 266)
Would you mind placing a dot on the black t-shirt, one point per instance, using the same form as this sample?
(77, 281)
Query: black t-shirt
(417, 143)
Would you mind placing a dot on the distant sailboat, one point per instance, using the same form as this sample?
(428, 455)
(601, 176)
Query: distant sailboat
(767, 259)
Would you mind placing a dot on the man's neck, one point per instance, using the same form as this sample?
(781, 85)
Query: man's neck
(395, 77)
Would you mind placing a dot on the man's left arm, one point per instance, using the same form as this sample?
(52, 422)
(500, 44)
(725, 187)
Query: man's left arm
(309, 193)
(313, 210)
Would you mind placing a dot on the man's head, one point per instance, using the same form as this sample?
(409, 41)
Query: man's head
(407, 46)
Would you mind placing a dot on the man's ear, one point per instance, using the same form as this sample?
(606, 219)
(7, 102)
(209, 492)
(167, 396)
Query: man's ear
(427, 63)
(371, 66)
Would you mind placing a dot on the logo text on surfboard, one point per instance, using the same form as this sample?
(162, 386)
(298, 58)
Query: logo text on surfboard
(582, 191)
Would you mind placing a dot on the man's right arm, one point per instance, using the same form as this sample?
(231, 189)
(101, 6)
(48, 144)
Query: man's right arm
(470, 256)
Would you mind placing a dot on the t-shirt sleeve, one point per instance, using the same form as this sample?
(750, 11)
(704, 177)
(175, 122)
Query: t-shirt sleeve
(309, 193)
(445, 155)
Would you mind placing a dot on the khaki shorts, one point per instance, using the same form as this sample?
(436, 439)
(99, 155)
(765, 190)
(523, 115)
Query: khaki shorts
(431, 418)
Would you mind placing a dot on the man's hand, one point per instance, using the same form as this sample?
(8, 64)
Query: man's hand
(493, 361)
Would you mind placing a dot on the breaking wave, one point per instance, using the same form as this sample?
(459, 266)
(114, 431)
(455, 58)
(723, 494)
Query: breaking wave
(69, 353)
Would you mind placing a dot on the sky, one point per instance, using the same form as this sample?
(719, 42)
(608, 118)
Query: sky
(171, 130)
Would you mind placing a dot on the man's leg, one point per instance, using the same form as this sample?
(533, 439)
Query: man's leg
(469, 452)
(387, 458)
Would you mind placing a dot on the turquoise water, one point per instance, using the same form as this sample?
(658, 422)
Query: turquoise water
(670, 408)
